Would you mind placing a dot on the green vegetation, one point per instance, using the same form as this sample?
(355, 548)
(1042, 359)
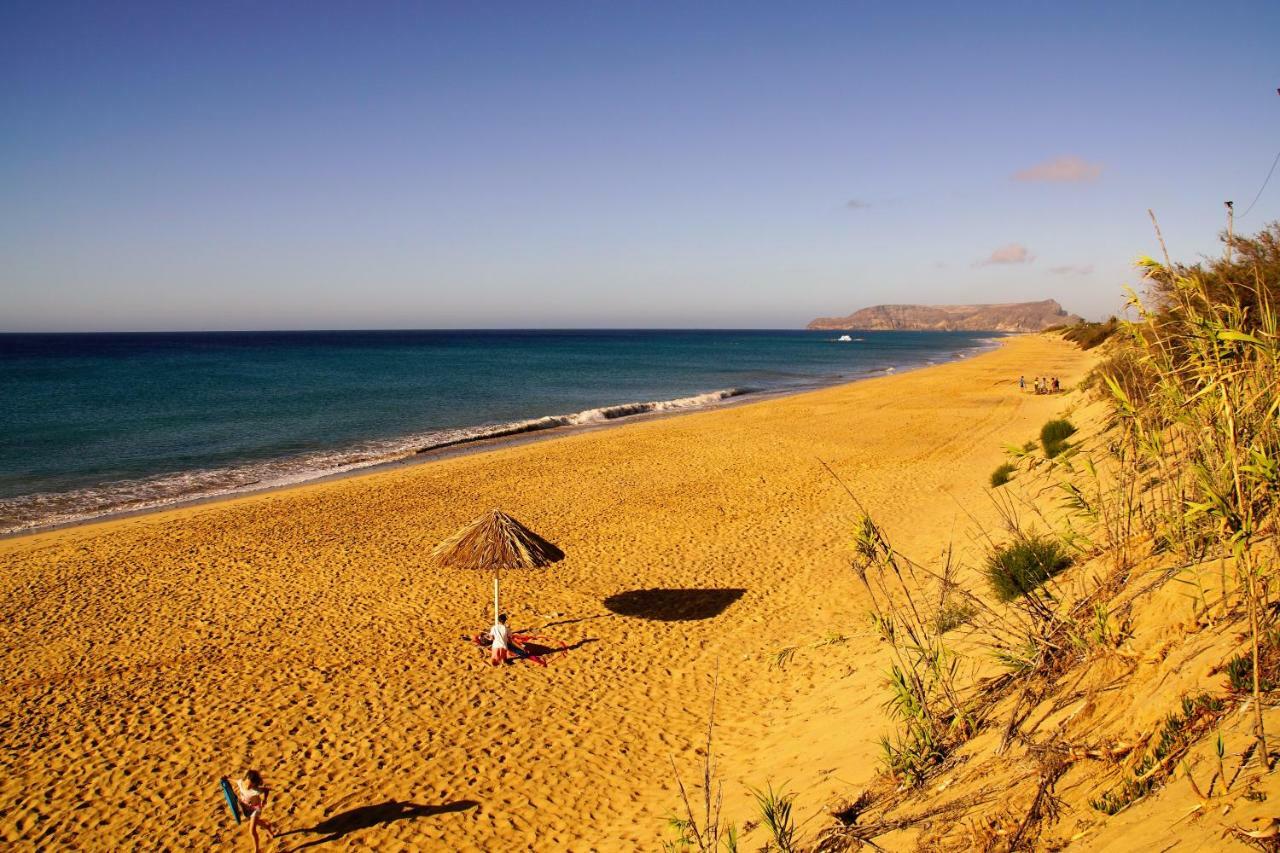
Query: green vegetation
(1090, 335)
(1054, 435)
(775, 814)
(923, 695)
(1194, 394)
(1001, 475)
(1177, 733)
(1023, 565)
(700, 828)
(953, 614)
(1239, 670)
(1244, 283)
(1184, 477)
(783, 656)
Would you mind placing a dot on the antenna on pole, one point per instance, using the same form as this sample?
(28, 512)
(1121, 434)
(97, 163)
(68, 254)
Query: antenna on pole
(1231, 227)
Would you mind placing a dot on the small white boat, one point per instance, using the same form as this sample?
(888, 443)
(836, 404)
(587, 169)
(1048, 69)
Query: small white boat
(844, 338)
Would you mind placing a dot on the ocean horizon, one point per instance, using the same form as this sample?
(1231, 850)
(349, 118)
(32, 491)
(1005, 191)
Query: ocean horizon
(99, 423)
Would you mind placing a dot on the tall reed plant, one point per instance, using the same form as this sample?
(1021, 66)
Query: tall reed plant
(1198, 405)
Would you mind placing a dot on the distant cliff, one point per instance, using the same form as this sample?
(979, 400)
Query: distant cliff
(1007, 317)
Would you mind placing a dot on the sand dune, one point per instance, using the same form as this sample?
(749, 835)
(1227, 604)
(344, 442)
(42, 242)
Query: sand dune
(305, 633)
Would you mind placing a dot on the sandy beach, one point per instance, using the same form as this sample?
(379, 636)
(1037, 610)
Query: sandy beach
(305, 632)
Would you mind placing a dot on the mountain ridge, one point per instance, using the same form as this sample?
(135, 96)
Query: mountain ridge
(989, 317)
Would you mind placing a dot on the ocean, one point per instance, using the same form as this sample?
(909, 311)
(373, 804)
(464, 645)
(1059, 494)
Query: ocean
(94, 424)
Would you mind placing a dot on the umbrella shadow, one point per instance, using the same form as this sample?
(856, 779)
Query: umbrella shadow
(535, 648)
(673, 605)
(381, 814)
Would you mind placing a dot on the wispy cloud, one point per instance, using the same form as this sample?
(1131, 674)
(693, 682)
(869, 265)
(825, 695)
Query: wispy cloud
(1072, 269)
(1014, 253)
(1069, 169)
(857, 204)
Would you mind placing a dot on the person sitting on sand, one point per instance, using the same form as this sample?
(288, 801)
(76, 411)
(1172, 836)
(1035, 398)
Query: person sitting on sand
(252, 794)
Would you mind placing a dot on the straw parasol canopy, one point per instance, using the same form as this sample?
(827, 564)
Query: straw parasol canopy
(496, 541)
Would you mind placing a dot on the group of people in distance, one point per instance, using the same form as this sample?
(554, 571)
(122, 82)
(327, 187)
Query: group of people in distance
(1043, 384)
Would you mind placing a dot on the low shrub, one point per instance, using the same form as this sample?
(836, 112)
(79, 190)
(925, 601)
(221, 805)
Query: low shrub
(1001, 475)
(1089, 335)
(1054, 435)
(953, 614)
(1023, 565)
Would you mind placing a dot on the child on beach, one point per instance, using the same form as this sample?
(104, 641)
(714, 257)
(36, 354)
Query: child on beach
(252, 794)
(500, 635)
(502, 643)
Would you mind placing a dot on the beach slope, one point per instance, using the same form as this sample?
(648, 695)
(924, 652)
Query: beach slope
(306, 633)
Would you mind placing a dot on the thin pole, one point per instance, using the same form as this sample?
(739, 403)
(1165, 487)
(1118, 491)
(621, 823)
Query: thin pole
(1231, 228)
(495, 598)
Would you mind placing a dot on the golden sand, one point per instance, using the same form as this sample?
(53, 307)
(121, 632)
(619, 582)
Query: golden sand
(305, 633)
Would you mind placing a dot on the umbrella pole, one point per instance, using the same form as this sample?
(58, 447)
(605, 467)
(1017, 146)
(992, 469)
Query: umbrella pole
(495, 598)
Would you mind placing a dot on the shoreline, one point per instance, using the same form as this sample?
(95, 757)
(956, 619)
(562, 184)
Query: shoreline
(486, 444)
(309, 634)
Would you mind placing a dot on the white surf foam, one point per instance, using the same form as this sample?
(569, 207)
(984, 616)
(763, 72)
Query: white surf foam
(28, 512)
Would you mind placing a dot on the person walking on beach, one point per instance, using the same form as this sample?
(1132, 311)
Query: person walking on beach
(253, 794)
(1022, 383)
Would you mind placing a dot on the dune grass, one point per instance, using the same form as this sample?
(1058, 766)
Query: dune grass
(775, 813)
(1090, 335)
(1023, 565)
(953, 615)
(1002, 475)
(1187, 471)
(1054, 435)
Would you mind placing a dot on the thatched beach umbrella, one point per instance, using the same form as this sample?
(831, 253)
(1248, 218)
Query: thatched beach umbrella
(496, 541)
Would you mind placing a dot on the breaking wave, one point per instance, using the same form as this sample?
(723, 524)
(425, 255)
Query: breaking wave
(45, 509)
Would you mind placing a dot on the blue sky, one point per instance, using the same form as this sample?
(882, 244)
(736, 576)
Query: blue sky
(314, 165)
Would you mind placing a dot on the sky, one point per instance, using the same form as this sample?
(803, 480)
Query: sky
(715, 165)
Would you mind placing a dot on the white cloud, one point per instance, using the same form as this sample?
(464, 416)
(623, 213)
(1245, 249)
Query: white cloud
(1014, 253)
(1068, 169)
(1072, 269)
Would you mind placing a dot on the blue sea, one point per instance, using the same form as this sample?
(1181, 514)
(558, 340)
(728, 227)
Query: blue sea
(92, 424)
